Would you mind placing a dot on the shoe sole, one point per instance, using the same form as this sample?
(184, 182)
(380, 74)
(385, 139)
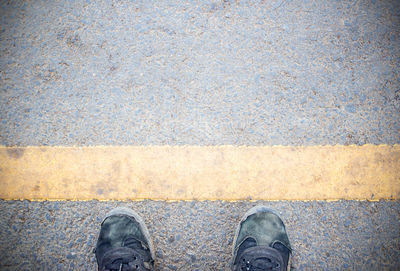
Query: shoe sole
(252, 211)
(123, 211)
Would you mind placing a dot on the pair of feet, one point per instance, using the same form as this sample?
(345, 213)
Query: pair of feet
(260, 243)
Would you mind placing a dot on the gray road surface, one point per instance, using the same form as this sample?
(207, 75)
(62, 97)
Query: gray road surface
(347, 235)
(199, 72)
(203, 73)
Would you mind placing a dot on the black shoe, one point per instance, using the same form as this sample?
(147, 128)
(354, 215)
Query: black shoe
(124, 242)
(261, 242)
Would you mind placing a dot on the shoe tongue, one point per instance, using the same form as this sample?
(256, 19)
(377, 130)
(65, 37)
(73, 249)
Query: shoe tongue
(116, 258)
(263, 264)
(249, 242)
(261, 258)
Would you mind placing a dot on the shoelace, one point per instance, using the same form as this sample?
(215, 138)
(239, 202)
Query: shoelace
(122, 264)
(126, 262)
(262, 263)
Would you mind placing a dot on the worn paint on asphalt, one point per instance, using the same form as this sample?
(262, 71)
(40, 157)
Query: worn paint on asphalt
(369, 172)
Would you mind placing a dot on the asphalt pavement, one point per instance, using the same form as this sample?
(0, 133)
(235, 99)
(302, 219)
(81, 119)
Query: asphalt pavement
(89, 73)
(345, 235)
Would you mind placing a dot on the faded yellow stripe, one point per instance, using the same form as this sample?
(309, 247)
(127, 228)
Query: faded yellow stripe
(200, 173)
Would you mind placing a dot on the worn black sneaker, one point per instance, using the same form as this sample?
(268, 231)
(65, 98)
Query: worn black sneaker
(124, 242)
(261, 242)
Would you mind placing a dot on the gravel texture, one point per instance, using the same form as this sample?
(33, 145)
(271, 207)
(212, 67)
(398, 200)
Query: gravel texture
(199, 72)
(344, 235)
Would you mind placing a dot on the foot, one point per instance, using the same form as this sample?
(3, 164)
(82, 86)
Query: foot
(261, 242)
(124, 242)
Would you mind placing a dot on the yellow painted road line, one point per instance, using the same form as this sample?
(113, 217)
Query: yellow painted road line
(200, 173)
